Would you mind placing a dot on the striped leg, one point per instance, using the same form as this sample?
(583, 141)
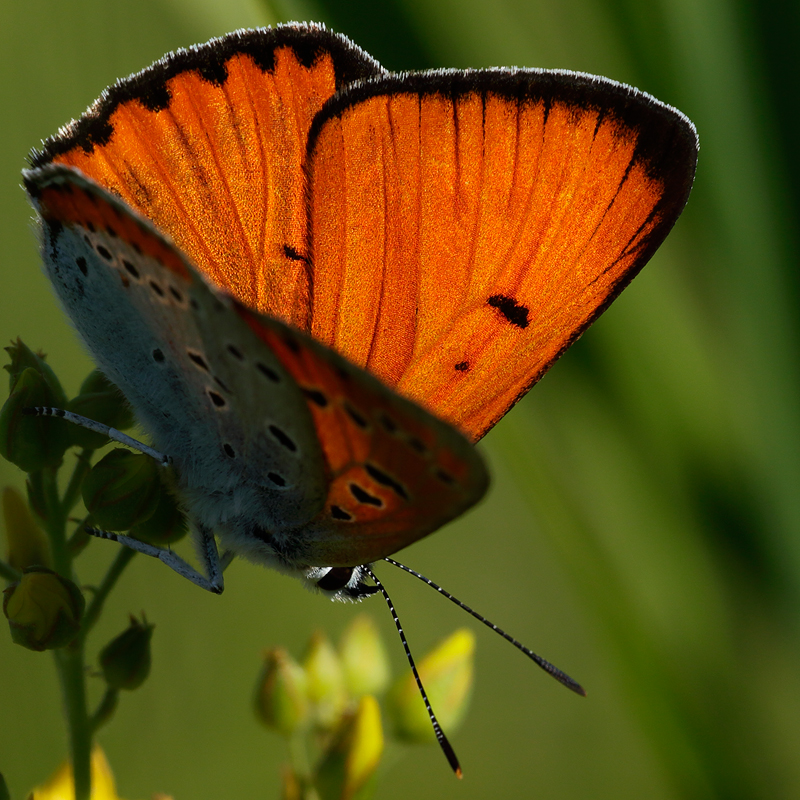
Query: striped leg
(206, 547)
(98, 427)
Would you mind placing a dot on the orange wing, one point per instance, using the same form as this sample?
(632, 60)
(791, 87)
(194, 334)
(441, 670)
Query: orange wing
(208, 144)
(395, 472)
(466, 227)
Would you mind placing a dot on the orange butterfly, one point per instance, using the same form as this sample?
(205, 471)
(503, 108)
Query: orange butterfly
(318, 283)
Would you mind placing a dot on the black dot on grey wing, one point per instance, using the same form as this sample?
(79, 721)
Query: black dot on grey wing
(381, 477)
(111, 232)
(87, 240)
(229, 451)
(462, 366)
(268, 372)
(132, 271)
(104, 253)
(355, 416)
(283, 438)
(176, 294)
(339, 513)
(81, 262)
(513, 312)
(316, 397)
(278, 480)
(156, 288)
(135, 245)
(194, 304)
(197, 359)
(90, 226)
(217, 399)
(158, 356)
(235, 352)
(222, 385)
(363, 496)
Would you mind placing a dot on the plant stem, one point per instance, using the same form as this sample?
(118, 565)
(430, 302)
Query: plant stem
(56, 523)
(116, 569)
(78, 474)
(8, 572)
(69, 663)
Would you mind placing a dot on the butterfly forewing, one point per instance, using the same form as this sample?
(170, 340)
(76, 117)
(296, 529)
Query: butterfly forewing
(504, 209)
(202, 384)
(208, 144)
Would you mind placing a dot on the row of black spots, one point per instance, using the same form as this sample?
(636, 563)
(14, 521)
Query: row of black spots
(378, 475)
(282, 438)
(337, 512)
(356, 416)
(216, 398)
(198, 360)
(268, 372)
(317, 397)
(363, 496)
(444, 476)
(277, 479)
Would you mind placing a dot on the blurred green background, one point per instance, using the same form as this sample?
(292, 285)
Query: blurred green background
(643, 530)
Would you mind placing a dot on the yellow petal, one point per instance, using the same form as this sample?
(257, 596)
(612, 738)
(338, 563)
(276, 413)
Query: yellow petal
(61, 786)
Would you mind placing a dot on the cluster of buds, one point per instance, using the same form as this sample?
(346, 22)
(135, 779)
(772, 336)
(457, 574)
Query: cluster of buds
(331, 698)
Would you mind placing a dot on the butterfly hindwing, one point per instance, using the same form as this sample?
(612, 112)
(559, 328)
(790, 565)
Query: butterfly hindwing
(506, 209)
(209, 393)
(396, 472)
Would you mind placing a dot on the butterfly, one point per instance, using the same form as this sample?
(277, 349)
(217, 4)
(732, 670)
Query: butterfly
(318, 283)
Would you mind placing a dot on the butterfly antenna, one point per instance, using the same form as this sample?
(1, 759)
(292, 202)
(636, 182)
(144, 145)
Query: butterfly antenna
(447, 748)
(560, 676)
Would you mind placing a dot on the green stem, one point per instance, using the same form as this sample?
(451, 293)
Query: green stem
(69, 663)
(79, 539)
(56, 523)
(78, 474)
(116, 569)
(106, 709)
(8, 572)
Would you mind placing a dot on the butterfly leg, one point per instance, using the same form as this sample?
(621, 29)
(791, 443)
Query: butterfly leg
(98, 427)
(207, 548)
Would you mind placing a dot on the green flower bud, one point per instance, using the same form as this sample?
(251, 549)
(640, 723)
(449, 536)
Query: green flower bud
(22, 358)
(43, 609)
(125, 660)
(349, 764)
(27, 441)
(447, 674)
(25, 542)
(326, 686)
(281, 697)
(101, 401)
(364, 659)
(166, 526)
(122, 490)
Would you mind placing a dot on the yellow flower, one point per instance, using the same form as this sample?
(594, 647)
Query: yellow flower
(447, 673)
(353, 756)
(364, 659)
(25, 542)
(61, 786)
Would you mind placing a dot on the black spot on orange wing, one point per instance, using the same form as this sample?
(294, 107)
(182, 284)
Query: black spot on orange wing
(513, 312)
